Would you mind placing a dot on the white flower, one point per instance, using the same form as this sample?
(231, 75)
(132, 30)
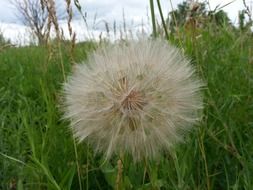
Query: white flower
(136, 98)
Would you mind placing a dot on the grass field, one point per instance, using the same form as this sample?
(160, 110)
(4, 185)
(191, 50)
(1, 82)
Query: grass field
(37, 150)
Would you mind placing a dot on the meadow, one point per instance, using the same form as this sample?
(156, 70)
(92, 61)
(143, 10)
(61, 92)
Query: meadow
(37, 150)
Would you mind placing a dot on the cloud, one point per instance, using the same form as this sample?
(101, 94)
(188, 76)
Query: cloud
(110, 12)
(17, 33)
(7, 13)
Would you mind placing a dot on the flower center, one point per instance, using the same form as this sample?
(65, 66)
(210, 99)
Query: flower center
(133, 101)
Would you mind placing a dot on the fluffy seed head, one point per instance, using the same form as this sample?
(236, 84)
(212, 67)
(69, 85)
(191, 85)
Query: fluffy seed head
(136, 98)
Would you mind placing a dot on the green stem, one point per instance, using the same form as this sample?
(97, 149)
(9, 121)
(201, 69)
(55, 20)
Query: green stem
(163, 21)
(153, 18)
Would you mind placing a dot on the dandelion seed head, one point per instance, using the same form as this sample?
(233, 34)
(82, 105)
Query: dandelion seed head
(137, 98)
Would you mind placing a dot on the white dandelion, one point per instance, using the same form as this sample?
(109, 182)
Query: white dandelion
(136, 98)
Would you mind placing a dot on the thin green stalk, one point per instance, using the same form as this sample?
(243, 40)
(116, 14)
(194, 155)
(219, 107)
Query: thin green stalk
(12, 158)
(153, 18)
(48, 174)
(77, 165)
(175, 20)
(203, 154)
(163, 21)
(87, 166)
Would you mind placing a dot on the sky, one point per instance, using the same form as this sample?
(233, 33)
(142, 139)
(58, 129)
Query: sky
(99, 12)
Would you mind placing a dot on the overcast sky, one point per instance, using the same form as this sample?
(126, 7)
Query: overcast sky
(135, 12)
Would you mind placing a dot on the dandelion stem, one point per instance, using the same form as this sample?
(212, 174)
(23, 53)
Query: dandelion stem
(119, 174)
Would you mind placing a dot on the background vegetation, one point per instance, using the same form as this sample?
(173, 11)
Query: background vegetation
(37, 150)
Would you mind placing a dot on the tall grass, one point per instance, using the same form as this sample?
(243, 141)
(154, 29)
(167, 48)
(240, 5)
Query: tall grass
(37, 149)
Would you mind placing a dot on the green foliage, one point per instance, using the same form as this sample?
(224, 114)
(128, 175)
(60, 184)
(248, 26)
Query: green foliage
(37, 150)
(220, 18)
(3, 41)
(184, 11)
(197, 16)
(243, 24)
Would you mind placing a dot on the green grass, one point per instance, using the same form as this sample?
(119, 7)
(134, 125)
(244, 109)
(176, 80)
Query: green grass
(37, 150)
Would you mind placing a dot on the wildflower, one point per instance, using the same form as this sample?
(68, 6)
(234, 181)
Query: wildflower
(136, 98)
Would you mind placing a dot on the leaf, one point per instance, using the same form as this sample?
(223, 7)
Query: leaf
(67, 178)
(110, 173)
